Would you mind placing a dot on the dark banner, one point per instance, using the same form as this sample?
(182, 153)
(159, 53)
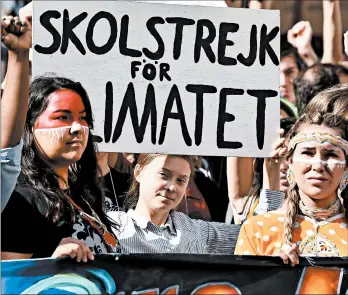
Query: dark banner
(175, 274)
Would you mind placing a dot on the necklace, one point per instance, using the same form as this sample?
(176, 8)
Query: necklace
(113, 188)
(321, 213)
(95, 222)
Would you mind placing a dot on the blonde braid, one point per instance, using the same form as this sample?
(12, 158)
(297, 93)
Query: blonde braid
(292, 201)
(344, 196)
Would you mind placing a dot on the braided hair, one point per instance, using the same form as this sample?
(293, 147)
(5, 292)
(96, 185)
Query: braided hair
(292, 195)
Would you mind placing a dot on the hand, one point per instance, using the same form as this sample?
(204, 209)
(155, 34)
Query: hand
(279, 151)
(26, 13)
(346, 42)
(300, 35)
(288, 252)
(73, 248)
(16, 35)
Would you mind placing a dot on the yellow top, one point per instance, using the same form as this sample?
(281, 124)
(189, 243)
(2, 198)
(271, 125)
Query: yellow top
(263, 235)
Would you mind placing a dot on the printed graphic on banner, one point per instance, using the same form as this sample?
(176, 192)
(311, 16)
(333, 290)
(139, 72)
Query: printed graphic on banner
(159, 274)
(168, 78)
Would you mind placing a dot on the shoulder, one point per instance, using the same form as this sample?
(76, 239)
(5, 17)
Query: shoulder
(24, 192)
(12, 155)
(21, 204)
(181, 217)
(120, 217)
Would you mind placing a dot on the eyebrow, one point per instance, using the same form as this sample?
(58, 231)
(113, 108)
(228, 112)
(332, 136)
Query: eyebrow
(183, 176)
(328, 150)
(332, 150)
(67, 111)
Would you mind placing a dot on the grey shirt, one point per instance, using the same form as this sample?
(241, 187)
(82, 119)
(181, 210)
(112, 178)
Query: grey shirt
(180, 234)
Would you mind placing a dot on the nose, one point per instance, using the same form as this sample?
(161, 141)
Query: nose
(170, 186)
(318, 165)
(75, 128)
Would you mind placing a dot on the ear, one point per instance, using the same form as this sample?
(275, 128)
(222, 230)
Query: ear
(137, 172)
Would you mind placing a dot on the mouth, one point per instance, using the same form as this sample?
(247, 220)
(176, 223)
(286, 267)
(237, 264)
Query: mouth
(284, 182)
(317, 179)
(283, 179)
(168, 198)
(74, 142)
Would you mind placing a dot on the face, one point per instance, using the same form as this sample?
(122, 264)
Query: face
(61, 131)
(318, 168)
(163, 182)
(288, 72)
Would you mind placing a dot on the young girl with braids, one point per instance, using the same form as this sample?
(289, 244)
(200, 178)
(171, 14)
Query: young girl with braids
(313, 221)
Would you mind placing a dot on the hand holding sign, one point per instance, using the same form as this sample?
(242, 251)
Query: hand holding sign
(289, 252)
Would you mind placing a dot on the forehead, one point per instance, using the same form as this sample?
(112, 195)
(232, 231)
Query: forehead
(287, 62)
(308, 128)
(174, 164)
(65, 99)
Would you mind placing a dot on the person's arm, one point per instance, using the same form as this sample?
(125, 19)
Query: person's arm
(10, 170)
(346, 42)
(300, 37)
(257, 4)
(332, 32)
(271, 167)
(112, 159)
(217, 237)
(270, 197)
(240, 175)
(14, 103)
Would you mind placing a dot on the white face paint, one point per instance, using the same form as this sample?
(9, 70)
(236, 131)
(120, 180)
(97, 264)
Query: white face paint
(329, 163)
(57, 134)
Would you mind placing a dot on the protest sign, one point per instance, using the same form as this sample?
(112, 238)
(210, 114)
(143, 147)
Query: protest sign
(174, 274)
(163, 78)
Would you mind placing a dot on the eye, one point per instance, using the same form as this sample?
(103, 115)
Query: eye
(288, 72)
(62, 118)
(84, 118)
(163, 175)
(308, 153)
(332, 155)
(181, 180)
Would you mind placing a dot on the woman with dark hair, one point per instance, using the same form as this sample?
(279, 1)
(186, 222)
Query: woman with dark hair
(57, 207)
(313, 221)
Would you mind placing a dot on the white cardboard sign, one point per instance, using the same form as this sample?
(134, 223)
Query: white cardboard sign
(170, 79)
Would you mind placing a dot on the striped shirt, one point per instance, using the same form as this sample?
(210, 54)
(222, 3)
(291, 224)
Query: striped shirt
(269, 201)
(180, 234)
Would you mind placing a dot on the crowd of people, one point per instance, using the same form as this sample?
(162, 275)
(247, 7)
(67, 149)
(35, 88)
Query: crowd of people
(61, 197)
